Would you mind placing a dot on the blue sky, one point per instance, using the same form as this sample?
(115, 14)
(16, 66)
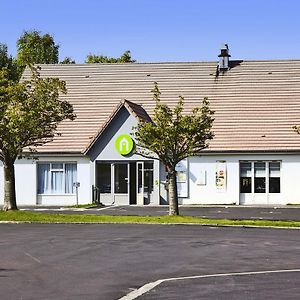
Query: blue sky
(159, 30)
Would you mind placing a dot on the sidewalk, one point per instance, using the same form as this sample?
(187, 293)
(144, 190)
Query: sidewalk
(211, 212)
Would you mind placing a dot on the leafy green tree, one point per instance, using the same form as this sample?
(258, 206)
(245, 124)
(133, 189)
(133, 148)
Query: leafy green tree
(172, 137)
(68, 60)
(29, 114)
(35, 48)
(10, 63)
(124, 58)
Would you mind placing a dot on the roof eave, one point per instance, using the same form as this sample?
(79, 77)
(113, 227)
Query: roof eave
(254, 151)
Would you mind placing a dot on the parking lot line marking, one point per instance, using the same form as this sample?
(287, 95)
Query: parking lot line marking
(32, 257)
(149, 286)
(108, 207)
(142, 290)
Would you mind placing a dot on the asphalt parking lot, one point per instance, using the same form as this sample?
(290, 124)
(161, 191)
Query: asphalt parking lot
(213, 212)
(110, 261)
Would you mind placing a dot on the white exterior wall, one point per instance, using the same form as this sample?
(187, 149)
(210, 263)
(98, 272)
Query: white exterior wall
(209, 194)
(26, 182)
(290, 179)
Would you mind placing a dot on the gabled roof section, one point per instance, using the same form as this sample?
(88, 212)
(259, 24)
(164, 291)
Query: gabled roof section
(134, 109)
(138, 111)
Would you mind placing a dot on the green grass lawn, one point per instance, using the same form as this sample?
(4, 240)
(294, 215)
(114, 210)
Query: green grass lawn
(35, 217)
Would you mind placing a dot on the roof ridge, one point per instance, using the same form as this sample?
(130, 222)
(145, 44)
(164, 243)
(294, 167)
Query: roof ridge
(168, 62)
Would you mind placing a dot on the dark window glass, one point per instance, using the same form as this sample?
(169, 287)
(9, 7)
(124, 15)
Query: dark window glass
(104, 177)
(274, 185)
(245, 177)
(121, 178)
(274, 177)
(245, 183)
(259, 185)
(148, 177)
(140, 178)
(259, 177)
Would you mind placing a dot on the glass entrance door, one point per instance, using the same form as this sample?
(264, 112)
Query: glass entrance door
(144, 182)
(121, 183)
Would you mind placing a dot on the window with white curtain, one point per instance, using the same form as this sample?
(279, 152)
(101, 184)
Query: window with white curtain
(56, 178)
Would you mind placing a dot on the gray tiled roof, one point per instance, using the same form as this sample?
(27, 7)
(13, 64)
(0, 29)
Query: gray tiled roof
(256, 103)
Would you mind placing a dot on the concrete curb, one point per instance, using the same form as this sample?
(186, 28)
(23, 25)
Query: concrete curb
(150, 223)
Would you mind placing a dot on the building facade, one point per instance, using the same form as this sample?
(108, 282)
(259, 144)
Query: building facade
(254, 158)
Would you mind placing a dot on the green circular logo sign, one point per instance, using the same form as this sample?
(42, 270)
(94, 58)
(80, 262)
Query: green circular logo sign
(124, 144)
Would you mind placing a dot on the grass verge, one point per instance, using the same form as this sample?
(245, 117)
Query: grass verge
(35, 217)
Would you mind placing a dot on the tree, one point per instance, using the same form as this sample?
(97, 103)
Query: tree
(10, 63)
(29, 114)
(124, 58)
(68, 60)
(35, 48)
(172, 137)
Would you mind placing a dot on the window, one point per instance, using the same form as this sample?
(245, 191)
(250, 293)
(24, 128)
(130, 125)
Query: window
(148, 177)
(259, 177)
(265, 176)
(274, 177)
(103, 177)
(121, 178)
(56, 178)
(245, 177)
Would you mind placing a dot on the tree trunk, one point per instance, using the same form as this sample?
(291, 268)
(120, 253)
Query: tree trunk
(173, 195)
(10, 202)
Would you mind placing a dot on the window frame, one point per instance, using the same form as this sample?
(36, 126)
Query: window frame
(53, 170)
(260, 177)
(267, 176)
(251, 177)
(99, 170)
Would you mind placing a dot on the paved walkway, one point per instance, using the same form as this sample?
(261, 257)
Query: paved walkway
(211, 212)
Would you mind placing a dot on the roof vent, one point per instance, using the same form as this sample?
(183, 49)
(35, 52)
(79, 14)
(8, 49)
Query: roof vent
(224, 58)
